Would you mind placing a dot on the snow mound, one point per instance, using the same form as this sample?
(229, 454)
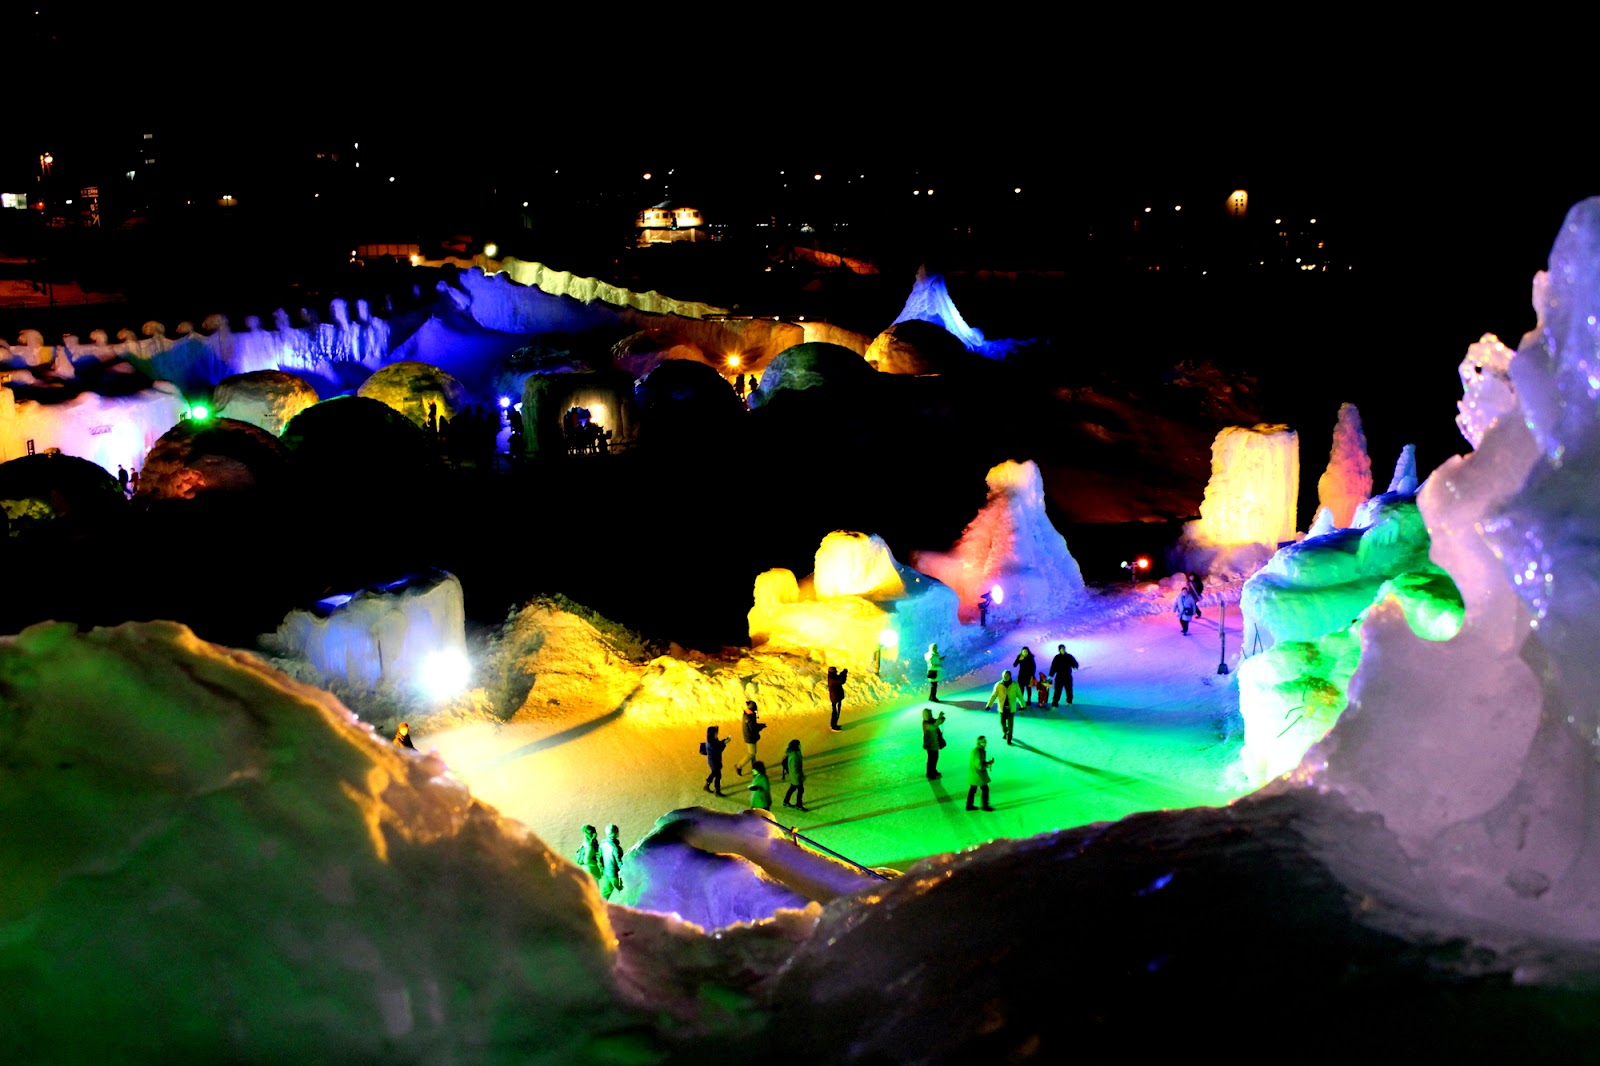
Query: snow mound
(1011, 543)
(209, 859)
(809, 366)
(264, 398)
(194, 458)
(416, 390)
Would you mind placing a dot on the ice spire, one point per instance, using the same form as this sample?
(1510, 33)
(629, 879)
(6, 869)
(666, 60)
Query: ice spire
(1348, 480)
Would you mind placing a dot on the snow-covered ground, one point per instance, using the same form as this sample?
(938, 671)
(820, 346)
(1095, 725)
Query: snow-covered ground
(1149, 729)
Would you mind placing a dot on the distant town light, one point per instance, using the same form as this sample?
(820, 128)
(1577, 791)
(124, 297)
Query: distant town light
(1277, 222)
(930, 192)
(524, 203)
(391, 177)
(1017, 189)
(1313, 222)
(816, 177)
(647, 175)
(1147, 210)
(1177, 207)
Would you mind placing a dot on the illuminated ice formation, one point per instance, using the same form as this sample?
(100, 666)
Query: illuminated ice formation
(1348, 480)
(859, 607)
(109, 430)
(384, 637)
(264, 398)
(1486, 392)
(1010, 543)
(809, 366)
(930, 301)
(424, 394)
(1480, 752)
(287, 884)
(1249, 504)
(715, 869)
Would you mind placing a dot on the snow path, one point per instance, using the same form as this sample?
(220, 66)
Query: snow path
(1145, 733)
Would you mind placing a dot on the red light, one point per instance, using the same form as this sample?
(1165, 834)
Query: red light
(1142, 563)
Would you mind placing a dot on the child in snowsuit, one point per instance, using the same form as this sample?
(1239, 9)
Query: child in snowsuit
(712, 750)
(836, 679)
(760, 787)
(794, 771)
(978, 764)
(610, 863)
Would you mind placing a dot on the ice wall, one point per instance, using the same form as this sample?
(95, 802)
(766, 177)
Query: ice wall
(1010, 543)
(1249, 503)
(1348, 479)
(381, 637)
(1480, 753)
(109, 430)
(842, 613)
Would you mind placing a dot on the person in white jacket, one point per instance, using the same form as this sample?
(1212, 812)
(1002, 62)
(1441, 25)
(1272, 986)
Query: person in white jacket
(1009, 695)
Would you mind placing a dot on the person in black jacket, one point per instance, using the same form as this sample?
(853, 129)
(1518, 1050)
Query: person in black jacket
(1061, 668)
(752, 735)
(1026, 666)
(836, 679)
(712, 750)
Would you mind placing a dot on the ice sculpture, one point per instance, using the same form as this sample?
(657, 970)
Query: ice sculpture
(425, 394)
(861, 609)
(1249, 503)
(386, 637)
(1011, 543)
(1480, 753)
(1348, 480)
(930, 301)
(264, 398)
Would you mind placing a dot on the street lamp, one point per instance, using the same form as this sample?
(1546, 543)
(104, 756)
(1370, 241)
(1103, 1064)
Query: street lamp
(1141, 563)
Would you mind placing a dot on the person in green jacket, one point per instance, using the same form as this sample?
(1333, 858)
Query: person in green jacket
(978, 774)
(794, 771)
(760, 788)
(589, 853)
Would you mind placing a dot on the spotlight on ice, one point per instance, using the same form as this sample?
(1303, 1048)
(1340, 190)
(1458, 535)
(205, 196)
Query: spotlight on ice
(444, 673)
(199, 412)
(997, 594)
(505, 401)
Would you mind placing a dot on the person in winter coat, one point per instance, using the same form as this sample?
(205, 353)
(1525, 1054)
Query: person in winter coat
(1009, 695)
(836, 679)
(712, 750)
(935, 671)
(978, 774)
(932, 739)
(1061, 668)
(402, 737)
(752, 735)
(589, 853)
(1186, 608)
(760, 787)
(1026, 666)
(794, 771)
(610, 863)
(1195, 585)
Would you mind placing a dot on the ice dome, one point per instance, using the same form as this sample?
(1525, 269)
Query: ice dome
(214, 455)
(412, 388)
(356, 435)
(640, 353)
(208, 861)
(683, 401)
(61, 493)
(915, 347)
(808, 366)
(265, 398)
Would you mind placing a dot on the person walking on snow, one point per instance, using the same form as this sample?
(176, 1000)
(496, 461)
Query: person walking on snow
(589, 853)
(935, 671)
(1009, 695)
(836, 679)
(1026, 666)
(712, 750)
(932, 739)
(978, 774)
(794, 771)
(752, 735)
(760, 787)
(1186, 608)
(402, 737)
(610, 863)
(1061, 668)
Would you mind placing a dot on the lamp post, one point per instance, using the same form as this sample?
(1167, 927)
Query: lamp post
(1222, 633)
(1133, 567)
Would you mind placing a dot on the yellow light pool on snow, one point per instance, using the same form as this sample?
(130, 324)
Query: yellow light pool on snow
(445, 673)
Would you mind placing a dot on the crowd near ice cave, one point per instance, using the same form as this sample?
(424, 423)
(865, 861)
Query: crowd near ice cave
(225, 851)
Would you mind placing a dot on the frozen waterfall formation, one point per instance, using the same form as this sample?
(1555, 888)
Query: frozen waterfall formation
(1480, 752)
(1249, 503)
(1012, 544)
(406, 634)
(862, 608)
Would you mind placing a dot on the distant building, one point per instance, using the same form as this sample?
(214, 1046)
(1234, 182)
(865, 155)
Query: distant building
(667, 222)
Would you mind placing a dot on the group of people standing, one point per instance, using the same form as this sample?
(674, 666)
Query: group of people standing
(602, 858)
(794, 769)
(978, 762)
